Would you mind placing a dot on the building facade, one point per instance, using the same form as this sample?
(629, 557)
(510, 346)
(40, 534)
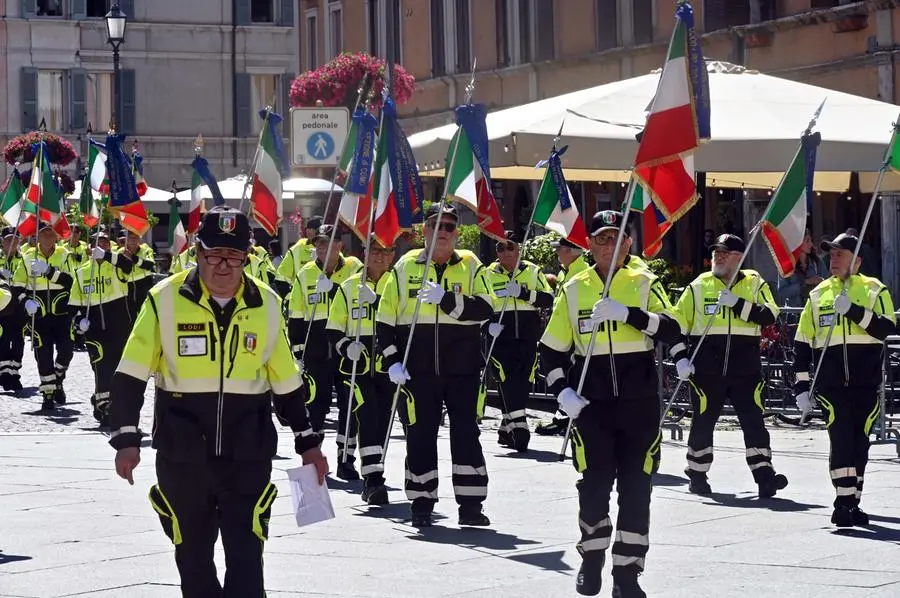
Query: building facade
(528, 50)
(186, 68)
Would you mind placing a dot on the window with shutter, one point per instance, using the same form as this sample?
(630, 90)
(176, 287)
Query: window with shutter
(286, 13)
(28, 8)
(545, 29)
(127, 115)
(373, 28)
(335, 29)
(463, 37)
(242, 104)
(49, 8)
(312, 39)
(242, 12)
(262, 94)
(501, 11)
(525, 31)
(50, 99)
(438, 57)
(97, 9)
(722, 14)
(284, 107)
(393, 13)
(77, 99)
(642, 21)
(78, 9)
(127, 6)
(262, 11)
(607, 24)
(28, 91)
(99, 100)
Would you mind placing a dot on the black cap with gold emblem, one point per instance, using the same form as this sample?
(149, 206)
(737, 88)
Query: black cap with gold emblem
(605, 220)
(224, 227)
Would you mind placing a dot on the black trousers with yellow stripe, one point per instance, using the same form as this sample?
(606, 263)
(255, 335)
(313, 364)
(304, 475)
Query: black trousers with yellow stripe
(708, 396)
(54, 346)
(615, 440)
(195, 501)
(851, 412)
(328, 380)
(513, 363)
(105, 347)
(372, 410)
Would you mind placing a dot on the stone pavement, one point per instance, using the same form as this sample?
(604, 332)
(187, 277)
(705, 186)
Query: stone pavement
(70, 527)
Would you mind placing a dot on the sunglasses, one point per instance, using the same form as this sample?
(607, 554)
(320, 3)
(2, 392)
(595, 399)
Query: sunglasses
(216, 260)
(447, 227)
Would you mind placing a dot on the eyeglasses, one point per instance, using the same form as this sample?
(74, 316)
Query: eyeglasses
(231, 262)
(501, 247)
(605, 239)
(447, 227)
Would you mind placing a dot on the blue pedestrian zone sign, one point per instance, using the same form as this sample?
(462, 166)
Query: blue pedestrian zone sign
(320, 145)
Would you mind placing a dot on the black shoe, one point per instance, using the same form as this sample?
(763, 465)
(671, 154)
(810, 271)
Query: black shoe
(768, 488)
(860, 517)
(588, 581)
(503, 438)
(14, 384)
(60, 396)
(48, 404)
(842, 517)
(421, 520)
(473, 518)
(699, 484)
(626, 586)
(519, 439)
(556, 427)
(375, 496)
(346, 471)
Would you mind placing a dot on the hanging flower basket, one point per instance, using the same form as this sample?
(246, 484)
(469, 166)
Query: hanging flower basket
(64, 182)
(20, 149)
(336, 82)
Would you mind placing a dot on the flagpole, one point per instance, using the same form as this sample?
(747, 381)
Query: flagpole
(93, 283)
(322, 274)
(613, 266)
(429, 254)
(846, 282)
(487, 360)
(252, 172)
(362, 283)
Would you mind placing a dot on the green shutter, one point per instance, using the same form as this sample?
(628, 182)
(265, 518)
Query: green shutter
(77, 99)
(28, 92)
(284, 107)
(126, 117)
(242, 104)
(79, 9)
(127, 6)
(286, 15)
(242, 12)
(29, 8)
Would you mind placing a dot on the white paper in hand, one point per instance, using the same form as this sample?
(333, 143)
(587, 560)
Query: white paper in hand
(311, 501)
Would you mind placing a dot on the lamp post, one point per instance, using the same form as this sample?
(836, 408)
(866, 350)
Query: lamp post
(115, 36)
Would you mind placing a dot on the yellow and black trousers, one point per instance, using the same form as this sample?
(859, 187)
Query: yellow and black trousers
(105, 346)
(708, 396)
(850, 413)
(513, 363)
(197, 500)
(616, 440)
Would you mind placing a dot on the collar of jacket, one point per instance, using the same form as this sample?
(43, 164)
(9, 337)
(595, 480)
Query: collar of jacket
(455, 258)
(337, 266)
(192, 289)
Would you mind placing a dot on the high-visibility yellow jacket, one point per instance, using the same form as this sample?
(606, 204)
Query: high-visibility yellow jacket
(346, 315)
(853, 356)
(144, 264)
(259, 267)
(50, 290)
(102, 283)
(731, 346)
(307, 307)
(301, 253)
(184, 260)
(447, 336)
(521, 319)
(567, 272)
(214, 367)
(650, 317)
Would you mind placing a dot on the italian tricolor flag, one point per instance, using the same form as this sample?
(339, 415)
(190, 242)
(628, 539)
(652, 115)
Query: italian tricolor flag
(177, 237)
(354, 208)
(265, 196)
(87, 205)
(386, 227)
(11, 204)
(655, 225)
(467, 184)
(784, 224)
(196, 205)
(555, 209)
(678, 122)
(97, 170)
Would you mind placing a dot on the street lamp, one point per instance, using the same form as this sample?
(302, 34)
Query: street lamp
(115, 36)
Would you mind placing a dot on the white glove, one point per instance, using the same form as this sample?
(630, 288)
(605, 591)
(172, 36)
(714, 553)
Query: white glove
(432, 292)
(728, 299)
(398, 374)
(300, 368)
(685, 368)
(804, 402)
(39, 267)
(31, 307)
(324, 285)
(494, 329)
(513, 289)
(570, 402)
(609, 309)
(5, 273)
(354, 350)
(366, 295)
(842, 304)
(84, 324)
(98, 253)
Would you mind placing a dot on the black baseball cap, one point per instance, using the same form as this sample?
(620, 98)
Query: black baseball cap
(729, 243)
(224, 227)
(564, 243)
(605, 220)
(842, 241)
(513, 236)
(314, 222)
(435, 208)
(325, 232)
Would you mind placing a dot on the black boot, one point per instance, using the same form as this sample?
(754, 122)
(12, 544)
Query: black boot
(503, 438)
(375, 495)
(15, 383)
(842, 516)
(48, 404)
(625, 585)
(60, 396)
(346, 471)
(519, 438)
(589, 580)
(556, 427)
(473, 517)
(768, 488)
(699, 484)
(860, 517)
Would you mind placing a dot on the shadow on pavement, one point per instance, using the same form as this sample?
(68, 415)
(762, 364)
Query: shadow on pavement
(548, 561)
(472, 536)
(883, 519)
(667, 479)
(354, 487)
(532, 455)
(12, 558)
(781, 505)
(871, 532)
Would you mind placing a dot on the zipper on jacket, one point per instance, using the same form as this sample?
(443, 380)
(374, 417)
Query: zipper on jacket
(221, 404)
(612, 371)
(727, 342)
(515, 306)
(846, 364)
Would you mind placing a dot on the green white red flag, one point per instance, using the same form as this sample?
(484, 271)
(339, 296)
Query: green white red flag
(555, 209)
(265, 196)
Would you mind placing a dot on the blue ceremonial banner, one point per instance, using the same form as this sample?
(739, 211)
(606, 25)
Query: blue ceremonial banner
(363, 153)
(122, 189)
(274, 120)
(698, 73)
(471, 117)
(558, 178)
(407, 186)
(810, 144)
(201, 166)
